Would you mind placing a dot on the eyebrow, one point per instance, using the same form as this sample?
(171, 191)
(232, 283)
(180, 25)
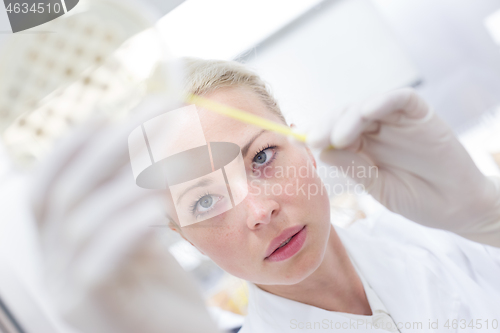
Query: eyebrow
(245, 148)
(201, 183)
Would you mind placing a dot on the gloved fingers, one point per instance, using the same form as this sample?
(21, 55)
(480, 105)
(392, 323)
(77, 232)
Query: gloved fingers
(55, 163)
(349, 127)
(399, 102)
(352, 165)
(105, 155)
(108, 230)
(73, 170)
(342, 132)
(360, 143)
(102, 251)
(89, 213)
(346, 126)
(149, 283)
(92, 165)
(319, 136)
(66, 192)
(93, 156)
(396, 107)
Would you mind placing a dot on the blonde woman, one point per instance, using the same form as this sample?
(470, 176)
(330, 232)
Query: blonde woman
(386, 274)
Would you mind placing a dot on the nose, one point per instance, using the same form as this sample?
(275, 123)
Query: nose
(261, 210)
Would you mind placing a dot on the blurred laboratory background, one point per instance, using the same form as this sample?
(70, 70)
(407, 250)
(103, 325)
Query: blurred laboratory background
(104, 56)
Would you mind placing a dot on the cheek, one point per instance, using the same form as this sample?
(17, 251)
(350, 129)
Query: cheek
(301, 184)
(222, 242)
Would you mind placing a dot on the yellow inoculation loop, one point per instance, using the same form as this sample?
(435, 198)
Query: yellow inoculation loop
(244, 116)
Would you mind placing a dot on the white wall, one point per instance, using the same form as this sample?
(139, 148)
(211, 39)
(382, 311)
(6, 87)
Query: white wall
(458, 59)
(222, 29)
(338, 53)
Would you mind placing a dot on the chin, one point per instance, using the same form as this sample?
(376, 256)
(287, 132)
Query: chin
(307, 261)
(304, 265)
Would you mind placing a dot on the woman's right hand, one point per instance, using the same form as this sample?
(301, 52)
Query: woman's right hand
(108, 270)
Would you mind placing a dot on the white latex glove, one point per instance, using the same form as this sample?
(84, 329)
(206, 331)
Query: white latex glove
(424, 172)
(108, 271)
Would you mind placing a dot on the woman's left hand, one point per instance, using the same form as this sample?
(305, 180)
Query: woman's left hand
(422, 171)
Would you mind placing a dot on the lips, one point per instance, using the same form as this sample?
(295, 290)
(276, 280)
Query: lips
(283, 237)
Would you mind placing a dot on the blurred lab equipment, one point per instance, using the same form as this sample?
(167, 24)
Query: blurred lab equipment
(99, 54)
(107, 269)
(100, 61)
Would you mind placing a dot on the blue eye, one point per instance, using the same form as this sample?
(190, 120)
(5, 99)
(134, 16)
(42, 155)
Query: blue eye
(264, 156)
(205, 204)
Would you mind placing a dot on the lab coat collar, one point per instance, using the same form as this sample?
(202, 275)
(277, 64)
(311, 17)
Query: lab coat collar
(278, 314)
(411, 291)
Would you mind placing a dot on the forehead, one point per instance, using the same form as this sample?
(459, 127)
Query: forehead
(224, 129)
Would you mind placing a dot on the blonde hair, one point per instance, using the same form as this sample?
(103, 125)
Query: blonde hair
(205, 76)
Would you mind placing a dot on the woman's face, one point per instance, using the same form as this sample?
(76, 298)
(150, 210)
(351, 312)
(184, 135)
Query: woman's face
(286, 198)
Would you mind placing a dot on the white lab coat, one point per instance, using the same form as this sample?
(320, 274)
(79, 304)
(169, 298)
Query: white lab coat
(421, 275)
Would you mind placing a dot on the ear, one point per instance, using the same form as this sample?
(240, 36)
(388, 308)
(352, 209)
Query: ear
(187, 240)
(311, 156)
(177, 229)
